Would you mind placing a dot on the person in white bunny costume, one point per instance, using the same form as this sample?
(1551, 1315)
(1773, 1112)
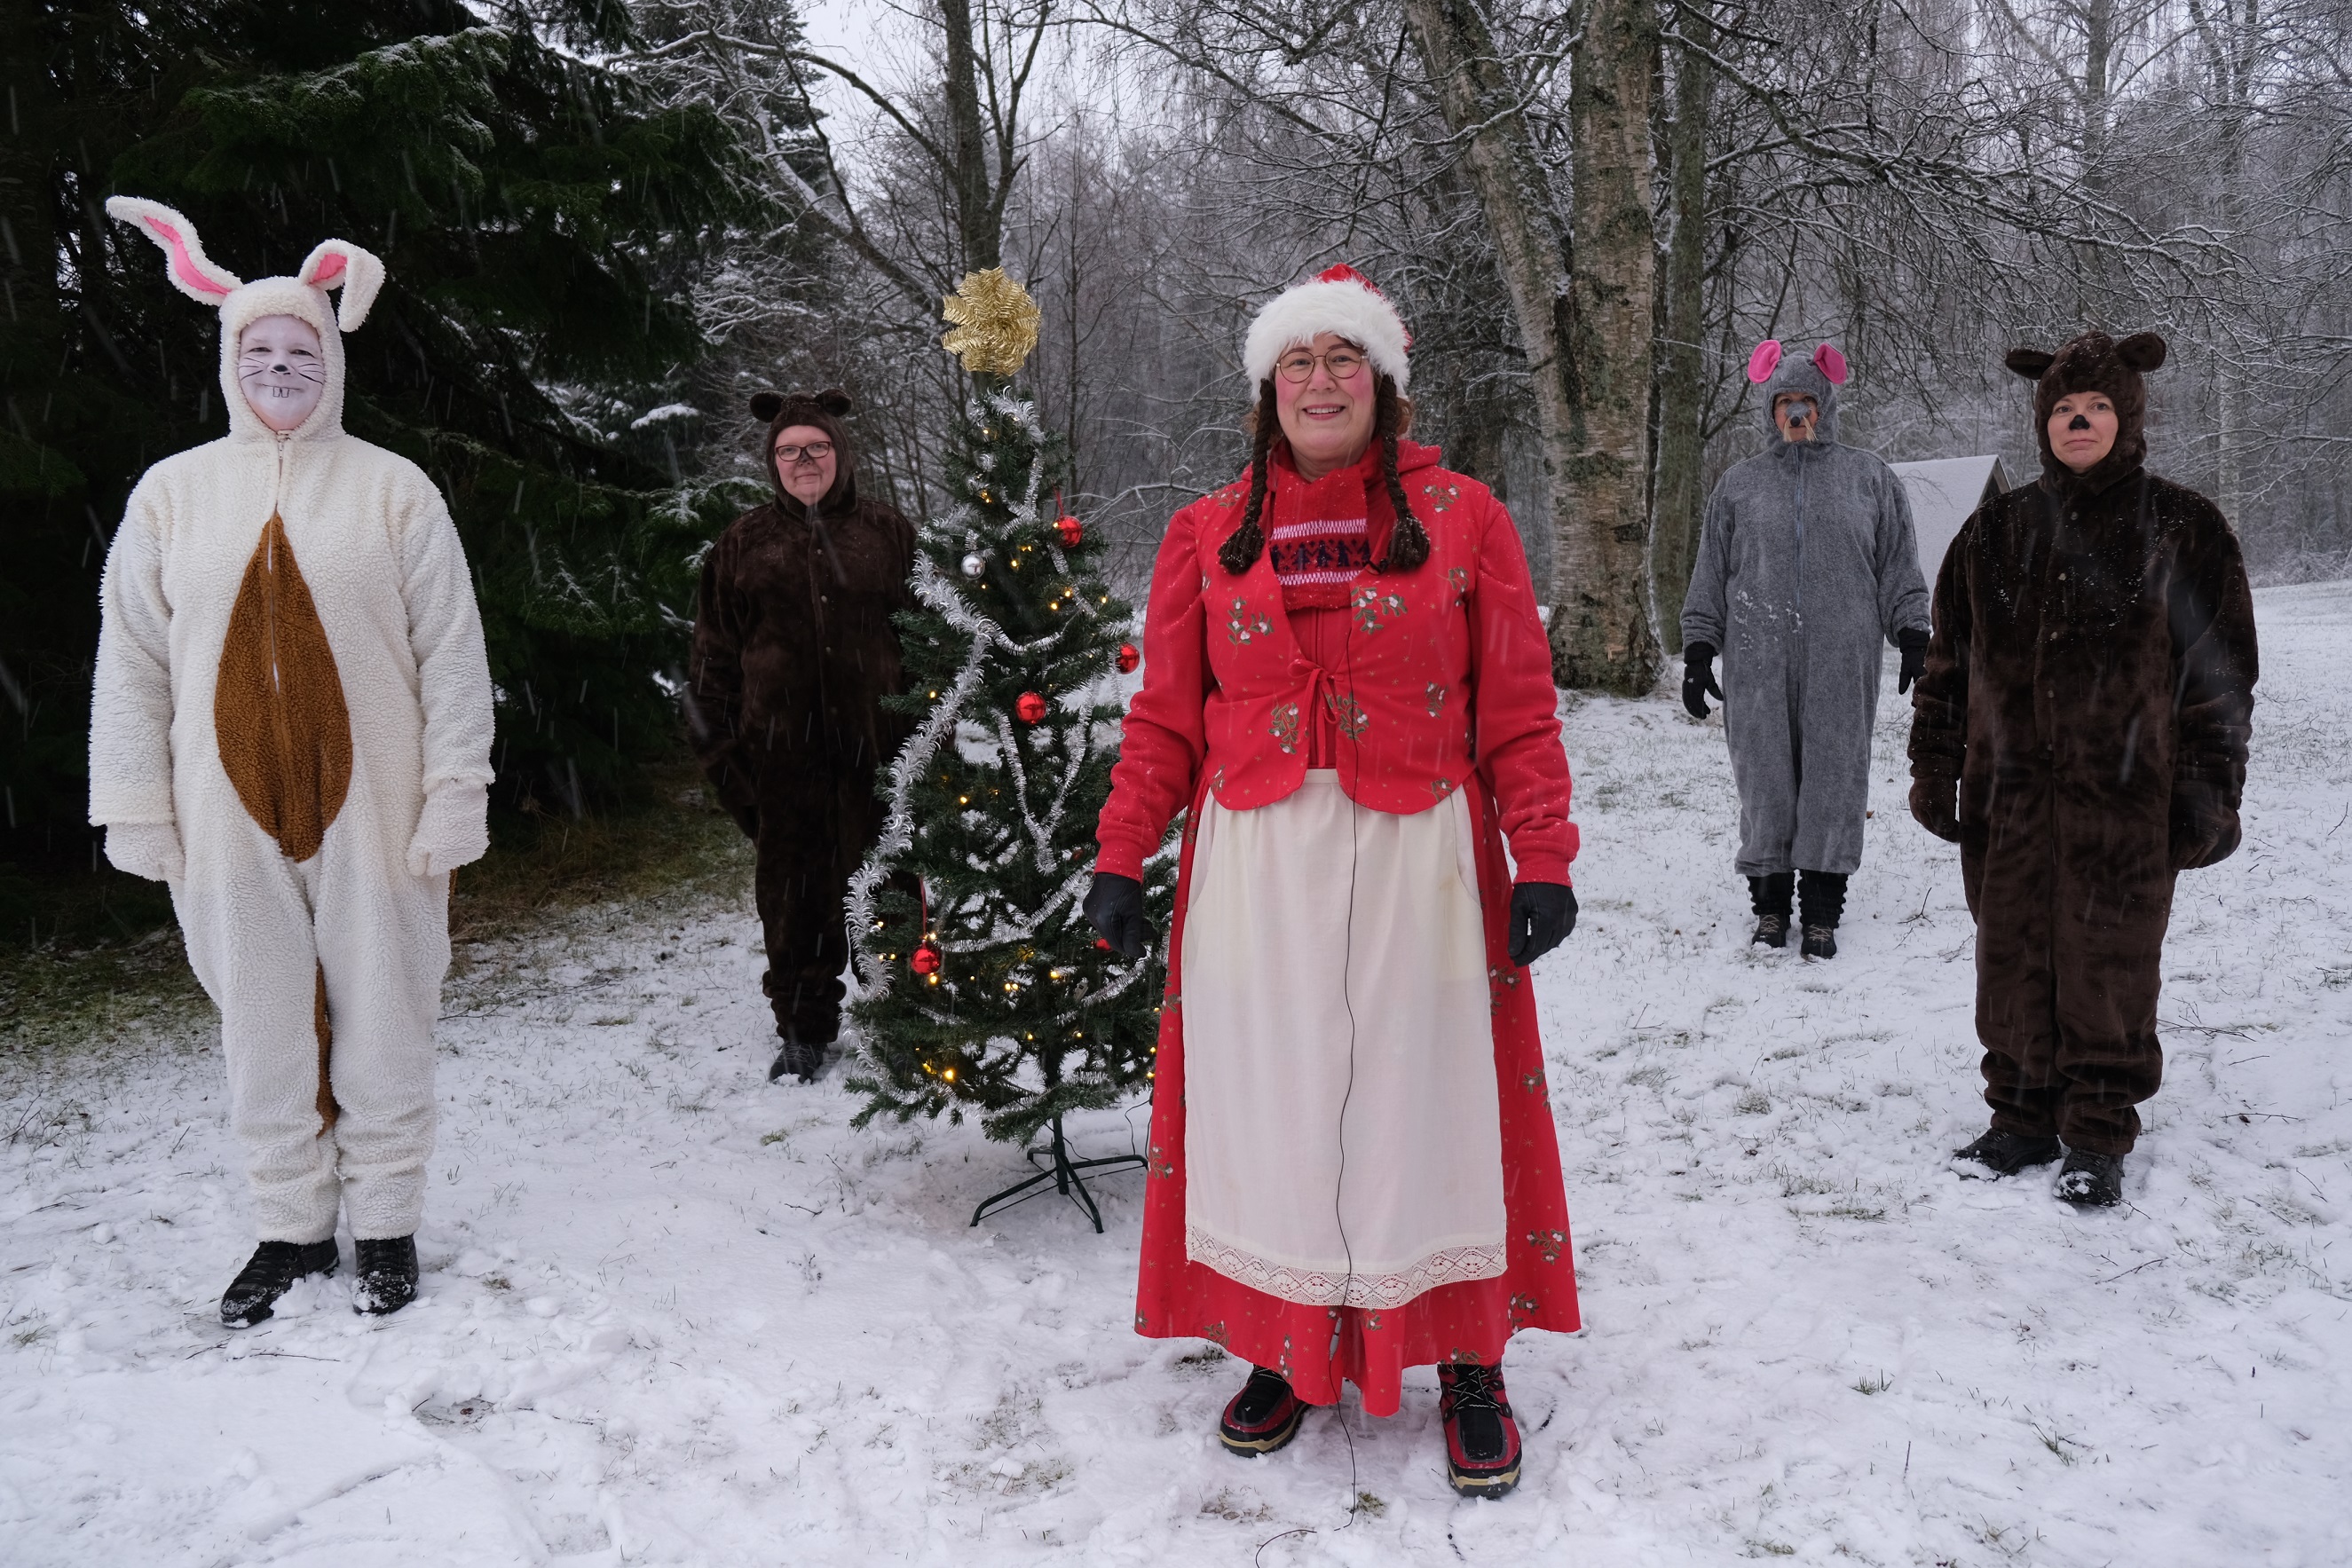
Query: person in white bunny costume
(291, 726)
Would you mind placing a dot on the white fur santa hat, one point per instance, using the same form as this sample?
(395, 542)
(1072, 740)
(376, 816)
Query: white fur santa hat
(1341, 301)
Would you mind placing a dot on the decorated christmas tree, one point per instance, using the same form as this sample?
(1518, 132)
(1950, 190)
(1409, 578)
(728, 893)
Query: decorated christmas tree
(982, 988)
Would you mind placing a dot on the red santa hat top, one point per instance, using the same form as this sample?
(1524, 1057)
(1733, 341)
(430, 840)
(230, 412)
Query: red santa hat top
(1341, 301)
(333, 264)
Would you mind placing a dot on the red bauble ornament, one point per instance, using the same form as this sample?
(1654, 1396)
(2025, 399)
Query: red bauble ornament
(1072, 532)
(1031, 708)
(926, 960)
(1103, 944)
(1129, 658)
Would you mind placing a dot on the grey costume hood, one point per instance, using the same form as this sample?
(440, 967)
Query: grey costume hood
(1818, 378)
(1807, 569)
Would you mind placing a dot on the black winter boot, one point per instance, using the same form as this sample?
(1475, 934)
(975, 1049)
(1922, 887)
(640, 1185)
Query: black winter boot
(1772, 897)
(1820, 942)
(1264, 1416)
(800, 1056)
(2006, 1153)
(1482, 1439)
(2090, 1181)
(387, 1281)
(269, 1273)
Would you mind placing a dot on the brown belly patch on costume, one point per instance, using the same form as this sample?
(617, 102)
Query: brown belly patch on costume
(285, 735)
(328, 1109)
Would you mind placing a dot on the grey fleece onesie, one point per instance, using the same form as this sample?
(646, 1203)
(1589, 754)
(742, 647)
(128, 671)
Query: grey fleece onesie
(1807, 568)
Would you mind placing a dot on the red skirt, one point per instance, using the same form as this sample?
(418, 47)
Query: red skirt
(1316, 1346)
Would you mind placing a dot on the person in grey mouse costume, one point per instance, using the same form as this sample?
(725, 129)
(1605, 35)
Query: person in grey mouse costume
(1807, 568)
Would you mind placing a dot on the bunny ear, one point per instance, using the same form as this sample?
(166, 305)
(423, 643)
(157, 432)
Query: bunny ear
(191, 271)
(1764, 361)
(1830, 363)
(2142, 351)
(2030, 363)
(339, 264)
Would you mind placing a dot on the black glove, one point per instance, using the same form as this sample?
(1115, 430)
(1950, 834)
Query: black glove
(1913, 643)
(1542, 914)
(1935, 805)
(2204, 825)
(1114, 907)
(1699, 679)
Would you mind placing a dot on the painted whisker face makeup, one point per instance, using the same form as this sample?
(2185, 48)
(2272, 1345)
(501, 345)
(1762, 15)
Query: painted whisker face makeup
(282, 370)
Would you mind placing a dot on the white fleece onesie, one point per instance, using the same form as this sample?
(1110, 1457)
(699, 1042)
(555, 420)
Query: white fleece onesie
(291, 680)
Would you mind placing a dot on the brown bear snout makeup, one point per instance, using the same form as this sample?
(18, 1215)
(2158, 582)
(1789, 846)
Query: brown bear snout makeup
(282, 369)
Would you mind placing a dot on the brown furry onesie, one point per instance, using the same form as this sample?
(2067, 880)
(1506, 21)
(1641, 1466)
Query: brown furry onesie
(2089, 691)
(793, 651)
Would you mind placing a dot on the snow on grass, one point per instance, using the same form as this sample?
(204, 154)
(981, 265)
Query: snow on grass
(675, 1314)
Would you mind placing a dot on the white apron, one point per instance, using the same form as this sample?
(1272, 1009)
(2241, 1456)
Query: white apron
(1343, 1137)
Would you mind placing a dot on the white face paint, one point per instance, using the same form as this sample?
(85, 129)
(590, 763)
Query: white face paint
(281, 369)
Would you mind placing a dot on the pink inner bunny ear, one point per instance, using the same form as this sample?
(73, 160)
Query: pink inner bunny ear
(1764, 361)
(1831, 364)
(192, 272)
(339, 264)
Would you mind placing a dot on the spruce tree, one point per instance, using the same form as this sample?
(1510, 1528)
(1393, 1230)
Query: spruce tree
(985, 990)
(540, 219)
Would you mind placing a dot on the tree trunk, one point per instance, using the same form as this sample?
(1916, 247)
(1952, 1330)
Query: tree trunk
(977, 219)
(1600, 636)
(1597, 597)
(1679, 502)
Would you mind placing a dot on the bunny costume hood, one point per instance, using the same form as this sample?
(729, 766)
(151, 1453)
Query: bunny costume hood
(334, 265)
(291, 726)
(1808, 567)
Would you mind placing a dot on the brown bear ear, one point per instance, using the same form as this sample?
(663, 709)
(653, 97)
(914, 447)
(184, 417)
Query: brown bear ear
(2143, 352)
(834, 401)
(2030, 363)
(766, 405)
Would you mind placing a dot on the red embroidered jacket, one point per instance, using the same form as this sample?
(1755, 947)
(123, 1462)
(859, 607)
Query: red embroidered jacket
(1447, 669)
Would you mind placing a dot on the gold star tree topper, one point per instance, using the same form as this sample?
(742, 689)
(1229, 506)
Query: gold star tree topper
(995, 323)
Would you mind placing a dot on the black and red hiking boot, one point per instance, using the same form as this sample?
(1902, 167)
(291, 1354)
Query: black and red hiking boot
(1262, 1417)
(1482, 1440)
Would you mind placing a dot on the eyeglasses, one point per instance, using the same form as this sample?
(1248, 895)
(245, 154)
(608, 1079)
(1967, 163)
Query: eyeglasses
(1299, 363)
(815, 452)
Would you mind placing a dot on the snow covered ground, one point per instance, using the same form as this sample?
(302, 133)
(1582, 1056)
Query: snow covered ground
(675, 1314)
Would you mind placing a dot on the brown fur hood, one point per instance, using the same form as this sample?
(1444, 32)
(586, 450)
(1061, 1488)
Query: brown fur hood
(828, 411)
(2092, 363)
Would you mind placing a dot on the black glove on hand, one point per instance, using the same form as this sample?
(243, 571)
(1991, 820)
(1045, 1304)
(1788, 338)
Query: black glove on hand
(1935, 806)
(1542, 914)
(1698, 678)
(2204, 825)
(1913, 643)
(1114, 907)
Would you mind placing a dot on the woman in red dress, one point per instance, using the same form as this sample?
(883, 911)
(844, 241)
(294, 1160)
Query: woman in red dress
(1347, 689)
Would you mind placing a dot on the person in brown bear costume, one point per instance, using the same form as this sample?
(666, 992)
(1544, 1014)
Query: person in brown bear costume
(2081, 732)
(793, 651)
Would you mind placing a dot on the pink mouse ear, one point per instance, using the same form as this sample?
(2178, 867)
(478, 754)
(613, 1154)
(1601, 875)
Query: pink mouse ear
(1764, 361)
(1831, 364)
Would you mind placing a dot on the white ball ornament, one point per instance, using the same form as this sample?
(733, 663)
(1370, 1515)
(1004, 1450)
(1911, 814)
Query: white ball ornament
(973, 566)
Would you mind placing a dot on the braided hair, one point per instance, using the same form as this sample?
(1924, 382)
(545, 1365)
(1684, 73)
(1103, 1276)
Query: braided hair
(1391, 417)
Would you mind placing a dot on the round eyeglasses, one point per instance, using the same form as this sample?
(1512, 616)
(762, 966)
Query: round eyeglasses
(1299, 363)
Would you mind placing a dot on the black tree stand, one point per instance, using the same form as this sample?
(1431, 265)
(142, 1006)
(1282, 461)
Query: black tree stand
(1054, 1165)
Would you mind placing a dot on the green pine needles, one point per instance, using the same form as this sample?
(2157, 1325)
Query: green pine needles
(989, 847)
